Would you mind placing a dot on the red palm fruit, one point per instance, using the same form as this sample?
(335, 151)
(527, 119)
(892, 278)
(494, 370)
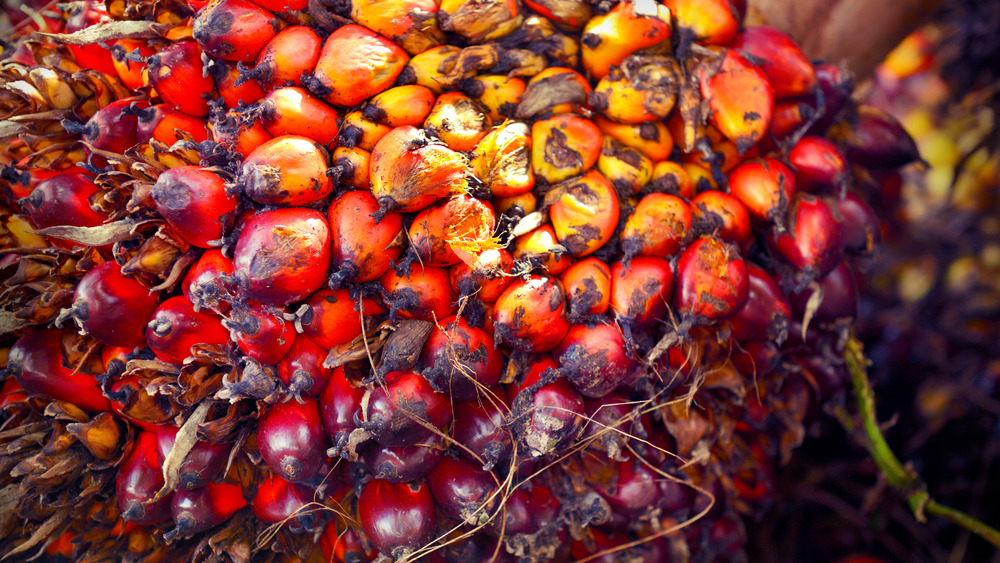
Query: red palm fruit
(411, 24)
(818, 163)
(330, 317)
(460, 360)
(766, 188)
(409, 172)
(457, 120)
(710, 22)
(112, 128)
(530, 314)
(201, 509)
(283, 6)
(546, 418)
(529, 510)
(92, 56)
(291, 440)
(787, 68)
(594, 359)
(234, 30)
(234, 86)
(288, 56)
(175, 327)
(63, 199)
(11, 392)
(37, 363)
(651, 138)
(879, 142)
(837, 86)
(282, 255)
(633, 490)
(640, 291)
(363, 246)
(287, 170)
(790, 116)
(739, 97)
(345, 545)
(204, 283)
(463, 490)
(301, 368)
(712, 280)
(294, 111)
(195, 203)
(355, 64)
(758, 358)
(202, 463)
(176, 73)
(564, 146)
(859, 224)
(139, 478)
(22, 182)
(281, 502)
(584, 212)
(399, 412)
(766, 313)
(486, 278)
(111, 307)
(812, 242)
(722, 214)
(162, 122)
(442, 234)
(129, 70)
(609, 38)
(658, 226)
(588, 288)
(541, 250)
(836, 292)
(338, 403)
(402, 463)
(260, 331)
(480, 428)
(425, 294)
(400, 105)
(351, 166)
(606, 422)
(397, 518)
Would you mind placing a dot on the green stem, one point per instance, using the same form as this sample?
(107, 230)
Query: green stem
(901, 476)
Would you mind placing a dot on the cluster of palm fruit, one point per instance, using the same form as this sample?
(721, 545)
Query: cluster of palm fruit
(477, 281)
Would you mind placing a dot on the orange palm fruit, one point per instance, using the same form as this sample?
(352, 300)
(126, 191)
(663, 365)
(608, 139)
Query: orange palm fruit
(452, 231)
(722, 214)
(355, 64)
(640, 290)
(294, 111)
(350, 166)
(651, 138)
(790, 116)
(411, 24)
(787, 68)
(658, 226)
(710, 22)
(424, 294)
(584, 212)
(290, 54)
(480, 21)
(609, 38)
(641, 89)
(765, 187)
(356, 130)
(428, 68)
(515, 205)
(568, 13)
(564, 146)
(588, 287)
(541, 249)
(739, 98)
(530, 314)
(485, 278)
(176, 74)
(287, 170)
(501, 160)
(238, 131)
(701, 176)
(555, 90)
(163, 123)
(400, 105)
(457, 120)
(626, 168)
(129, 69)
(671, 178)
(409, 172)
(234, 86)
(234, 30)
(362, 247)
(498, 94)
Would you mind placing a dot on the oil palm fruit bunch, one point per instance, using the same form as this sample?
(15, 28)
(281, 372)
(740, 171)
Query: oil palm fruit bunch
(469, 281)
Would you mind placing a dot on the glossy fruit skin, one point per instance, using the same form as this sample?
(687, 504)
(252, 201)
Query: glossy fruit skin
(712, 280)
(879, 142)
(175, 327)
(425, 294)
(391, 406)
(233, 30)
(588, 288)
(161, 122)
(139, 478)
(195, 203)
(819, 164)
(486, 279)
(530, 314)
(200, 466)
(287, 170)
(462, 489)
(723, 214)
(205, 283)
(787, 68)
(460, 360)
(200, 509)
(278, 500)
(291, 440)
(301, 368)
(840, 298)
(765, 187)
(282, 255)
(479, 427)
(36, 363)
(766, 313)
(812, 243)
(640, 290)
(261, 332)
(586, 213)
(353, 56)
(63, 199)
(594, 358)
(291, 53)
(176, 74)
(396, 517)
(337, 405)
(363, 247)
(332, 318)
(112, 308)
(111, 128)
(859, 224)
(403, 463)
(658, 226)
(740, 98)
(545, 418)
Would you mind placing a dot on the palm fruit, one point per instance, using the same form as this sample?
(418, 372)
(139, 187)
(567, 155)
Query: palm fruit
(469, 281)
